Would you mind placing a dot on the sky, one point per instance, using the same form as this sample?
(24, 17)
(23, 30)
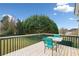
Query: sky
(61, 13)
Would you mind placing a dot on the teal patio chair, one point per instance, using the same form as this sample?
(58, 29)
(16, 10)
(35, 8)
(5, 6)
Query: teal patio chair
(48, 43)
(57, 36)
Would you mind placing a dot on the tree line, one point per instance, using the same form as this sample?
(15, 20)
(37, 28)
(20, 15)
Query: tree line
(31, 25)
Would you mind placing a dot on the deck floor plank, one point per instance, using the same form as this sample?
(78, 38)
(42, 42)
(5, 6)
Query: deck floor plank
(38, 50)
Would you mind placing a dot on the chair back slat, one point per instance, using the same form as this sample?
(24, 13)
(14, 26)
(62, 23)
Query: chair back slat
(48, 42)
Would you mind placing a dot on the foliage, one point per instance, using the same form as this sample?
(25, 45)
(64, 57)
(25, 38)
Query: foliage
(40, 24)
(19, 27)
(31, 25)
(9, 27)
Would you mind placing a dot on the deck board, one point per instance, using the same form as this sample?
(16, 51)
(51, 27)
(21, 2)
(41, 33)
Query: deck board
(38, 50)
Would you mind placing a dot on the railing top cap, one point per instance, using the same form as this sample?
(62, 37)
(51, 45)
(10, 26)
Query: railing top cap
(33, 35)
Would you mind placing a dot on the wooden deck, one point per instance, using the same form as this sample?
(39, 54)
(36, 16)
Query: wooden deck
(38, 50)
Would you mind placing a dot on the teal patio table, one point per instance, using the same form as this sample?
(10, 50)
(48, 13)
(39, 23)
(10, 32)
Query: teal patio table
(56, 40)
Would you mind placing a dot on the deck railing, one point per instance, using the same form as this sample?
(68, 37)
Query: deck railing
(72, 41)
(13, 43)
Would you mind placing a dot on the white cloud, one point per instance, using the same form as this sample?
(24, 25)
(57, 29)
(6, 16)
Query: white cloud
(7, 15)
(63, 3)
(54, 13)
(64, 8)
(71, 18)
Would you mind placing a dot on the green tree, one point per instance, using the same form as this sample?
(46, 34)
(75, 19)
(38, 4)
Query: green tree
(19, 27)
(40, 24)
(9, 26)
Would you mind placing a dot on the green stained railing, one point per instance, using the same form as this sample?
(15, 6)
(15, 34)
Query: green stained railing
(12, 43)
(72, 41)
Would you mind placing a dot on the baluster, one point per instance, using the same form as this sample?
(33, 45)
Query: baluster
(3, 46)
(21, 42)
(14, 44)
(69, 38)
(0, 48)
(7, 45)
(65, 40)
(10, 45)
(24, 42)
(17, 43)
(76, 42)
(71, 41)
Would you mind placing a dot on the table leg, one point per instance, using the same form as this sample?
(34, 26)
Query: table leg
(56, 47)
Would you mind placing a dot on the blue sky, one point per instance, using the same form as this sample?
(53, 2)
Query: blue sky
(61, 13)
